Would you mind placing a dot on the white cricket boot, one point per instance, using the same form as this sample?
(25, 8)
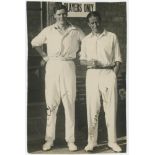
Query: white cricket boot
(47, 146)
(115, 147)
(90, 147)
(72, 147)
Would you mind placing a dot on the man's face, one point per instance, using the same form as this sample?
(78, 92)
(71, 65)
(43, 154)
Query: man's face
(95, 24)
(61, 16)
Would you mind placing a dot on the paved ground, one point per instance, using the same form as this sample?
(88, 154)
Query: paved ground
(101, 148)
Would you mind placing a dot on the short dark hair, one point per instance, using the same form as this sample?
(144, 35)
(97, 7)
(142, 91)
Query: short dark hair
(59, 6)
(93, 14)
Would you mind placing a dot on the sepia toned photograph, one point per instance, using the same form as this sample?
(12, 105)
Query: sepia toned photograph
(76, 97)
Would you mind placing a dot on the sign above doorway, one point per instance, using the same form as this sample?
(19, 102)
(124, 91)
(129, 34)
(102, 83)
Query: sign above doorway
(79, 9)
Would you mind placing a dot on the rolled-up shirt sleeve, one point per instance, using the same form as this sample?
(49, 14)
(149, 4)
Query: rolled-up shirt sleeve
(116, 48)
(40, 39)
(83, 55)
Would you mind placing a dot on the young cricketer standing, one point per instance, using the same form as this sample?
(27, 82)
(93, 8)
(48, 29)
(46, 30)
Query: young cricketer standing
(63, 42)
(100, 52)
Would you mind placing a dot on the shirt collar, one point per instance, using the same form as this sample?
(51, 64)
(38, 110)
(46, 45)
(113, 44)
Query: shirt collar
(102, 34)
(70, 27)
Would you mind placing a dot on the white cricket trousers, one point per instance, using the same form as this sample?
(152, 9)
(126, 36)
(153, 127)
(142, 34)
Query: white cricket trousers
(60, 84)
(101, 82)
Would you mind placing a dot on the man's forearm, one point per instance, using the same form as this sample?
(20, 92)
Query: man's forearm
(40, 51)
(117, 67)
